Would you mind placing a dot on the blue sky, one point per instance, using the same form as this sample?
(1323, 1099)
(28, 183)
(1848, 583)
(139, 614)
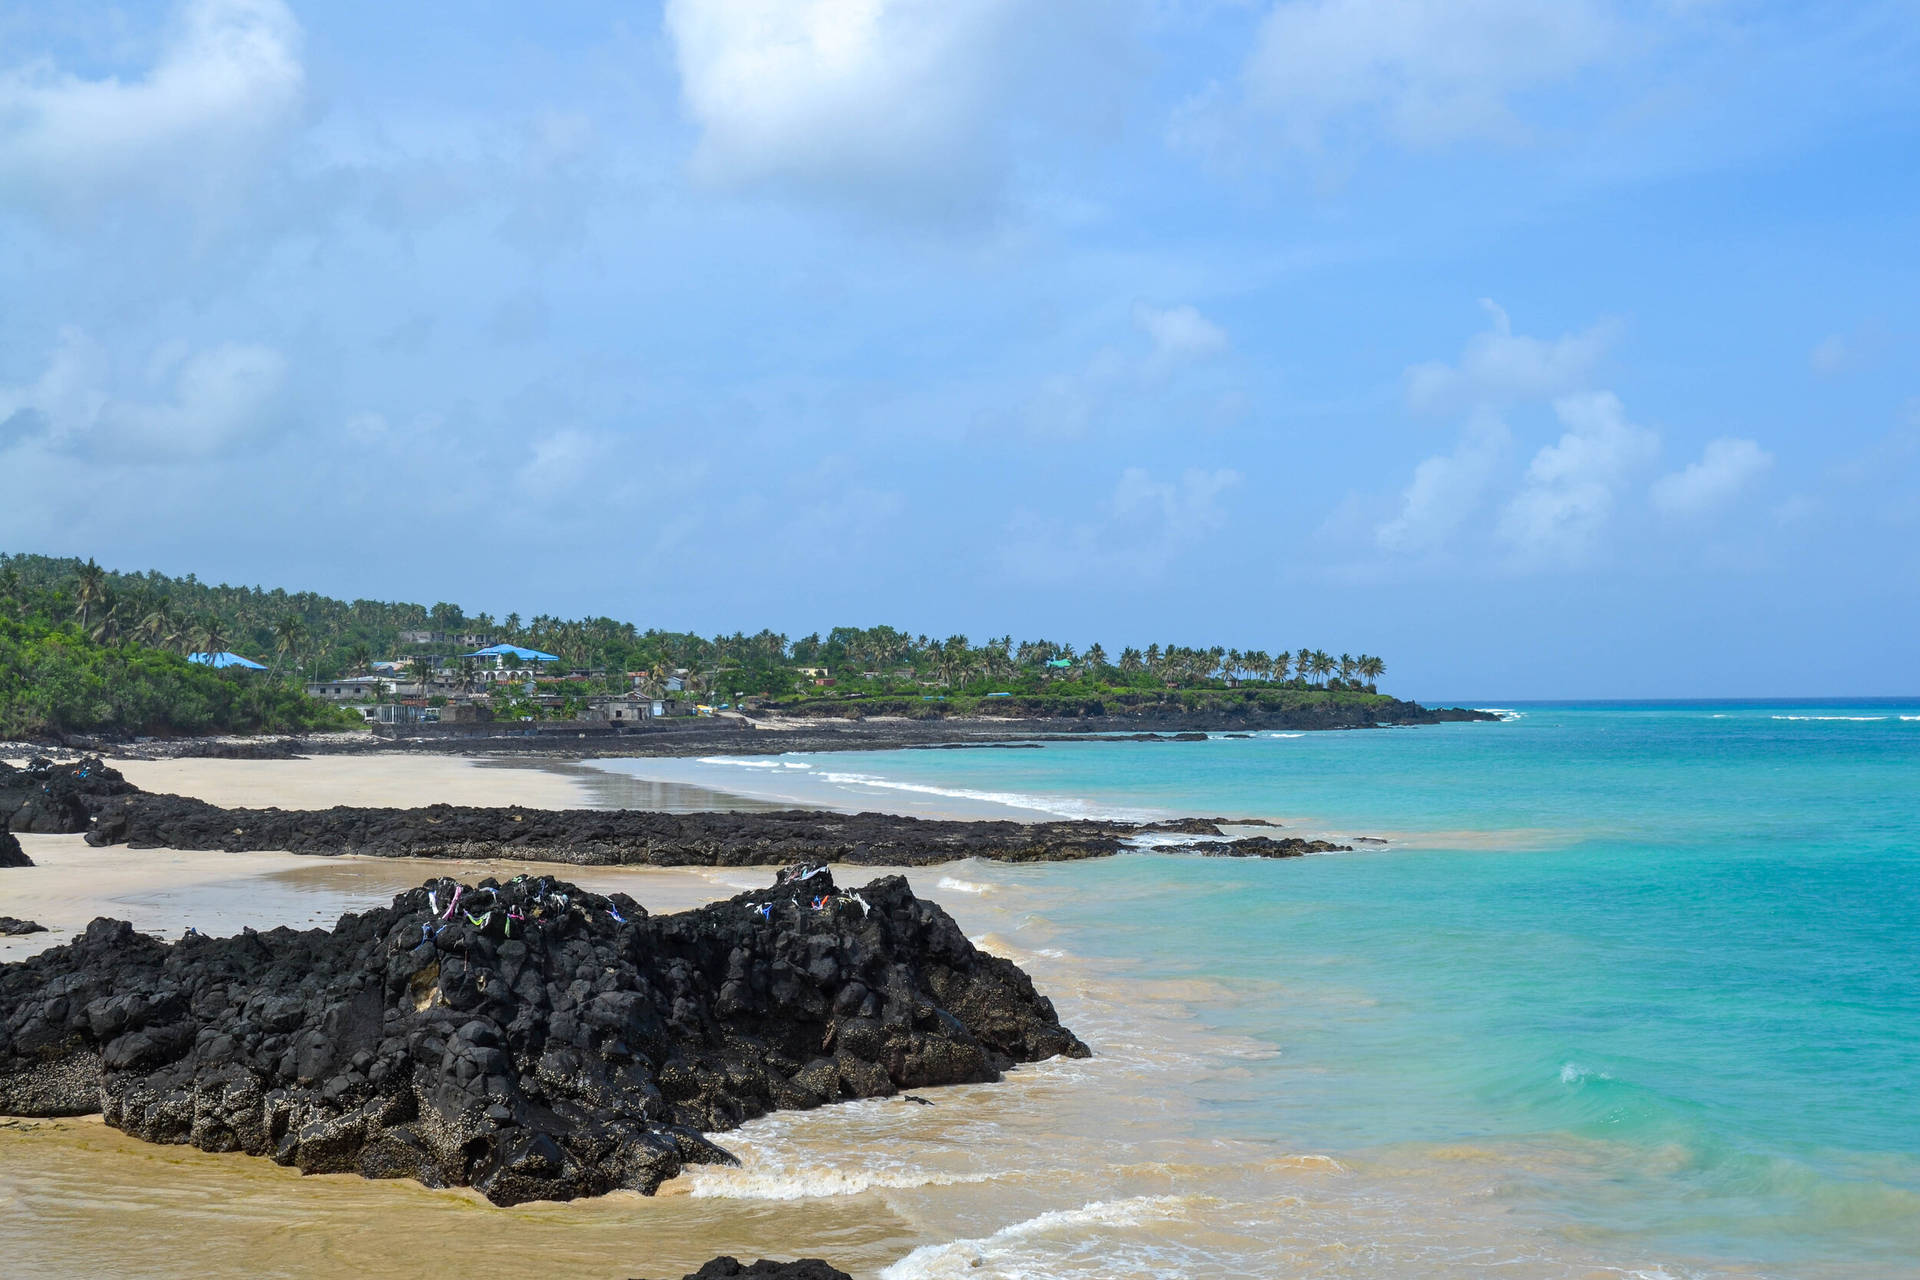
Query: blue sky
(1546, 350)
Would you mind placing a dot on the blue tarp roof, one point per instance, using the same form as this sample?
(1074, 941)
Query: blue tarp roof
(224, 659)
(512, 650)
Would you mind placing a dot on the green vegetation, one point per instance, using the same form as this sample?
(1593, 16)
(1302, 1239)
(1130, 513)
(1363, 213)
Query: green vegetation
(304, 636)
(69, 663)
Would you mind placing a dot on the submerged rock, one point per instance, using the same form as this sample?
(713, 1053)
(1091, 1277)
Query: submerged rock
(532, 1040)
(804, 1269)
(57, 799)
(1255, 847)
(14, 927)
(11, 854)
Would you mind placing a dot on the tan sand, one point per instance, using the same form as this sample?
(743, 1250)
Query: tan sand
(324, 781)
(166, 891)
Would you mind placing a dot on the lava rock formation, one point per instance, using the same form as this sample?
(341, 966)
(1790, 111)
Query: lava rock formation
(57, 799)
(530, 1039)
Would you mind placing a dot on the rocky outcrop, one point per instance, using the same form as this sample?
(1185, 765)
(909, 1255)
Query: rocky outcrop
(57, 799)
(14, 927)
(600, 837)
(11, 854)
(804, 1269)
(531, 1040)
(1255, 847)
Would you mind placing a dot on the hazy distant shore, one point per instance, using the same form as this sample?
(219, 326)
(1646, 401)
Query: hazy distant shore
(739, 735)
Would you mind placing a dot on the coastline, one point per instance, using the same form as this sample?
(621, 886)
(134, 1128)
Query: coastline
(1293, 1048)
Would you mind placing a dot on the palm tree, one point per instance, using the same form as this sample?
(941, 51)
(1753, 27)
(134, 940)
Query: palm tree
(1346, 668)
(107, 629)
(1372, 668)
(158, 628)
(421, 669)
(90, 588)
(286, 637)
(1322, 663)
(1096, 657)
(1303, 665)
(211, 634)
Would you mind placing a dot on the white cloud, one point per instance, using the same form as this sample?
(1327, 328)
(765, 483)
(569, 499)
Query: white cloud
(1172, 514)
(563, 462)
(1500, 366)
(219, 398)
(228, 77)
(1140, 530)
(840, 91)
(1571, 486)
(1726, 466)
(1445, 490)
(1423, 72)
(1829, 355)
(1180, 335)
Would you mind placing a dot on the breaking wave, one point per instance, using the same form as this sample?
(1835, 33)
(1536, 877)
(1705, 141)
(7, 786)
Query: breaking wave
(966, 1257)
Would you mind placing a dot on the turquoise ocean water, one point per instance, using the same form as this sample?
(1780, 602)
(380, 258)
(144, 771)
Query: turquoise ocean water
(1676, 947)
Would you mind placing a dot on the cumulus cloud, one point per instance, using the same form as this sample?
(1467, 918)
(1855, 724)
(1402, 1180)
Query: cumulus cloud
(1500, 366)
(860, 91)
(218, 399)
(1180, 335)
(1445, 490)
(908, 104)
(227, 78)
(1571, 486)
(1726, 466)
(1421, 72)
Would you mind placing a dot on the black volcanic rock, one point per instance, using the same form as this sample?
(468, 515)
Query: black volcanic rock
(532, 1040)
(57, 799)
(599, 837)
(804, 1269)
(14, 927)
(1256, 847)
(11, 854)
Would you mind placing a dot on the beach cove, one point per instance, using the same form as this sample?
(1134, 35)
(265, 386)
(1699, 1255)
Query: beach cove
(1541, 1032)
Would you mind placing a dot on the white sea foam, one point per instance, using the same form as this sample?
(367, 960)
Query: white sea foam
(953, 884)
(741, 764)
(1505, 713)
(1574, 1073)
(1059, 806)
(714, 1182)
(1283, 735)
(964, 1257)
(1857, 719)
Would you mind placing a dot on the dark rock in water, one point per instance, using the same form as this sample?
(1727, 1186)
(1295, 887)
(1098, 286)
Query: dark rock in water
(57, 799)
(11, 854)
(599, 837)
(250, 749)
(13, 927)
(1256, 847)
(804, 1269)
(532, 1040)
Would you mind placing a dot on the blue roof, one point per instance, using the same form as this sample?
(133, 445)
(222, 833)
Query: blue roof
(512, 650)
(225, 659)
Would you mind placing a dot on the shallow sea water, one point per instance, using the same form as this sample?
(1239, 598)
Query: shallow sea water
(1629, 992)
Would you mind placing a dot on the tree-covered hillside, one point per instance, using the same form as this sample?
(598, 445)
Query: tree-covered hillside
(309, 636)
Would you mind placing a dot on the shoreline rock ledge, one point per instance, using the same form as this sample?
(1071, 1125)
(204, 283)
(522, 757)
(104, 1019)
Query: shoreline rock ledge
(531, 1039)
